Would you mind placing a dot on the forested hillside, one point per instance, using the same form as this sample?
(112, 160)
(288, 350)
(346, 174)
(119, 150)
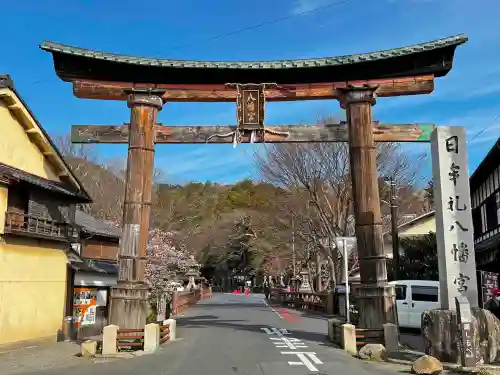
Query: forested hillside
(304, 193)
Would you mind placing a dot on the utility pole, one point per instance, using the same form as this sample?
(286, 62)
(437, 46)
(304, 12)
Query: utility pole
(318, 272)
(293, 249)
(394, 230)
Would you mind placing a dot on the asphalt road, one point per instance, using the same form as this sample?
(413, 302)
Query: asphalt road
(240, 335)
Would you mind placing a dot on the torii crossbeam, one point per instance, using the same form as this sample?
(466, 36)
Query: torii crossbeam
(119, 134)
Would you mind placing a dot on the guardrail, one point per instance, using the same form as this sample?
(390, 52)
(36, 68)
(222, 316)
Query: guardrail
(164, 333)
(363, 335)
(301, 300)
(148, 338)
(182, 300)
(369, 336)
(130, 339)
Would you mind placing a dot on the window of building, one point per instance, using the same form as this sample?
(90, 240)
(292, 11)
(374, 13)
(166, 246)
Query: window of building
(497, 196)
(491, 212)
(17, 199)
(424, 293)
(477, 221)
(400, 292)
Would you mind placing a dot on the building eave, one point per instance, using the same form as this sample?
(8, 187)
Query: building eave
(484, 169)
(14, 175)
(26, 117)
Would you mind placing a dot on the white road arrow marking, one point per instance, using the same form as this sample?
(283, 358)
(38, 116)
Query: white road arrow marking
(276, 331)
(308, 359)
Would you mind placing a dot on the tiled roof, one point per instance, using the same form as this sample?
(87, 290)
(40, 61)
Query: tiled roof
(486, 167)
(96, 266)
(53, 186)
(92, 225)
(103, 266)
(6, 81)
(277, 64)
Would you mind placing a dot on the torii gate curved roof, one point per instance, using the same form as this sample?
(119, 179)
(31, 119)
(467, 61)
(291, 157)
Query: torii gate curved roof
(430, 58)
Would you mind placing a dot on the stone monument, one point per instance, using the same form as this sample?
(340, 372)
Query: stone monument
(456, 258)
(454, 236)
(305, 285)
(192, 273)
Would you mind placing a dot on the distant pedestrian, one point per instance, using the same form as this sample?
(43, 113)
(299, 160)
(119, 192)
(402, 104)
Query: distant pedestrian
(267, 289)
(494, 303)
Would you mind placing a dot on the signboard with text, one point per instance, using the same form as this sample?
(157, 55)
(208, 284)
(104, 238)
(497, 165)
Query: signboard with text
(454, 230)
(489, 282)
(84, 306)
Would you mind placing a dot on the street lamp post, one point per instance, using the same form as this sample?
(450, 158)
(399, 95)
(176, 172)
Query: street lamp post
(293, 248)
(342, 241)
(346, 275)
(394, 230)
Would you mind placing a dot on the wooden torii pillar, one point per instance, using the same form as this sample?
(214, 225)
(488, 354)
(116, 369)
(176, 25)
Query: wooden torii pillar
(129, 298)
(374, 295)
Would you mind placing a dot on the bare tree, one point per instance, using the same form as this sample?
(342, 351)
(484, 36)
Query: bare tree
(118, 166)
(318, 179)
(105, 189)
(68, 149)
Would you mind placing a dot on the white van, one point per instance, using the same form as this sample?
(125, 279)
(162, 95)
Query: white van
(413, 297)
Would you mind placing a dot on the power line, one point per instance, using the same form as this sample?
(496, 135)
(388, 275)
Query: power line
(248, 28)
(277, 20)
(481, 131)
(265, 23)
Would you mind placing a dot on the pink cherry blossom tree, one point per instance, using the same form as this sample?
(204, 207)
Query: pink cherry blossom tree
(165, 261)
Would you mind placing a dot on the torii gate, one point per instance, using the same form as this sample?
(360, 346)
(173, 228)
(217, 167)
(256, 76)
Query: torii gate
(356, 81)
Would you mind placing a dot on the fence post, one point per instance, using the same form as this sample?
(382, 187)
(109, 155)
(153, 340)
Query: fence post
(175, 301)
(172, 326)
(391, 337)
(151, 337)
(348, 335)
(109, 337)
(330, 302)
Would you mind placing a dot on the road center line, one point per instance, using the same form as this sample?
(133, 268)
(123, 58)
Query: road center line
(277, 313)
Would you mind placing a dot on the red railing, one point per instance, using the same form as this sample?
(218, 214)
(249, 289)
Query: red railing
(164, 333)
(206, 292)
(363, 335)
(301, 300)
(182, 300)
(21, 223)
(130, 339)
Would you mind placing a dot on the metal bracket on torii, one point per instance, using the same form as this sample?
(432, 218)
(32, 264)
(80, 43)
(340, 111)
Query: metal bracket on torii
(250, 112)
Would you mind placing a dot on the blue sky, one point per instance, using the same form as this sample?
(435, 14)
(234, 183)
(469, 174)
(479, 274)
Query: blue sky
(468, 96)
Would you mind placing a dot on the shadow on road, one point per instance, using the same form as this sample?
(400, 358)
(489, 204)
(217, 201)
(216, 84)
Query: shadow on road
(214, 321)
(259, 306)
